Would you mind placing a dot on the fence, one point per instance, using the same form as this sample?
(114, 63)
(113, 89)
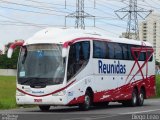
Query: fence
(8, 72)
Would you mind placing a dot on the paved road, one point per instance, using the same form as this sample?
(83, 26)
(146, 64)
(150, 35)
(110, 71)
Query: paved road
(115, 111)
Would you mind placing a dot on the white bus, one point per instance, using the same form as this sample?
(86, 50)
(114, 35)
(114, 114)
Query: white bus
(82, 68)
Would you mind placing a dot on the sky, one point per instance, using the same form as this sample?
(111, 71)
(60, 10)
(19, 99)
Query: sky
(20, 19)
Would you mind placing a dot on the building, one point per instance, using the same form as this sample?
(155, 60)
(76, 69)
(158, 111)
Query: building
(149, 30)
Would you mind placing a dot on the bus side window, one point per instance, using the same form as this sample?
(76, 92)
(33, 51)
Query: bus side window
(125, 51)
(100, 49)
(86, 50)
(118, 51)
(111, 50)
(149, 54)
(78, 56)
(129, 52)
(142, 56)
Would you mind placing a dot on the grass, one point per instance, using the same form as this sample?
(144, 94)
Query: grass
(158, 85)
(7, 92)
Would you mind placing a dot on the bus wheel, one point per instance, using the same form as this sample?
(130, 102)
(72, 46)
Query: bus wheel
(134, 100)
(87, 102)
(141, 97)
(44, 107)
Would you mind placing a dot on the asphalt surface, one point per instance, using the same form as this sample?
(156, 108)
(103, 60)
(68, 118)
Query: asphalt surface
(114, 111)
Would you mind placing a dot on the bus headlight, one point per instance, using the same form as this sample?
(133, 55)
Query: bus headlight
(18, 93)
(61, 93)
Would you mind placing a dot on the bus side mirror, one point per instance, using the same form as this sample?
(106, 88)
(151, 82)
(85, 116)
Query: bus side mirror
(10, 52)
(12, 47)
(64, 52)
(65, 48)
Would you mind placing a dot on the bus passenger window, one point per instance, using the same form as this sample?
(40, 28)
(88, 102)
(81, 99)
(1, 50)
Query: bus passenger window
(125, 51)
(142, 56)
(149, 54)
(118, 51)
(79, 54)
(100, 49)
(111, 50)
(129, 52)
(85, 49)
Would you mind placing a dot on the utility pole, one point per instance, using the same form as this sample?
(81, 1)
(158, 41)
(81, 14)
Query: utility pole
(133, 12)
(80, 15)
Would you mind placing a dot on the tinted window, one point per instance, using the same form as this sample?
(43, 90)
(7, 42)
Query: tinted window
(125, 51)
(142, 56)
(118, 51)
(100, 49)
(111, 50)
(149, 54)
(85, 50)
(129, 52)
(78, 57)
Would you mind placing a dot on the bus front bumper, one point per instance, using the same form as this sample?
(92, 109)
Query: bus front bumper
(46, 100)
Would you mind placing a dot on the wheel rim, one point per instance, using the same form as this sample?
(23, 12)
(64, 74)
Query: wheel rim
(141, 98)
(87, 101)
(134, 99)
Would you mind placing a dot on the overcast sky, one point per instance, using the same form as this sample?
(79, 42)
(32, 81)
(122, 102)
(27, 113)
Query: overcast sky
(20, 19)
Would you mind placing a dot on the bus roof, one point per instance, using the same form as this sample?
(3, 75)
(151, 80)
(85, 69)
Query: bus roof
(61, 35)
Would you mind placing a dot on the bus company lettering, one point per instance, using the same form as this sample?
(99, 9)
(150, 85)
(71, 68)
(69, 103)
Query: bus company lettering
(111, 68)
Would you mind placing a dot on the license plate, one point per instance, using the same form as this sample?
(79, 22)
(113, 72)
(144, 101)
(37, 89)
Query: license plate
(37, 100)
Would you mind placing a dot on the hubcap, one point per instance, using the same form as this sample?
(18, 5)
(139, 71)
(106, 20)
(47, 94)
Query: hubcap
(141, 98)
(87, 101)
(134, 98)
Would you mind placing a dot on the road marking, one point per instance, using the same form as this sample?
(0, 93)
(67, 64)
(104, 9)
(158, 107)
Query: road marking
(155, 101)
(91, 117)
(140, 112)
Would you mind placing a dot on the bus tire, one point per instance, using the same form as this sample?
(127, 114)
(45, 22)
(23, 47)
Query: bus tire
(141, 97)
(87, 102)
(44, 107)
(134, 99)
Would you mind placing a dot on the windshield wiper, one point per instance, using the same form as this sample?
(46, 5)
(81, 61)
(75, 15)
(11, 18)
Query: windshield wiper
(29, 80)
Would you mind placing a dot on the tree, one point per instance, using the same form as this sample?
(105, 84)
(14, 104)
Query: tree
(6, 63)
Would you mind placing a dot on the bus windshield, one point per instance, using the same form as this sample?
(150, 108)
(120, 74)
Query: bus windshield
(41, 65)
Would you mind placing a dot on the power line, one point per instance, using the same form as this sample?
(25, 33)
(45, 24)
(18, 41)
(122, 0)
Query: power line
(50, 13)
(115, 25)
(32, 6)
(106, 30)
(106, 2)
(101, 5)
(22, 22)
(30, 11)
(132, 11)
(48, 3)
(80, 15)
(149, 5)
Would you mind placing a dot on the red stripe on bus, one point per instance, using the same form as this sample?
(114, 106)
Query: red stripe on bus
(48, 93)
(68, 43)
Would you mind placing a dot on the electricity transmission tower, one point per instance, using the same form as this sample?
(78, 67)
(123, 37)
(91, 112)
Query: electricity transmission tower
(133, 12)
(80, 15)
